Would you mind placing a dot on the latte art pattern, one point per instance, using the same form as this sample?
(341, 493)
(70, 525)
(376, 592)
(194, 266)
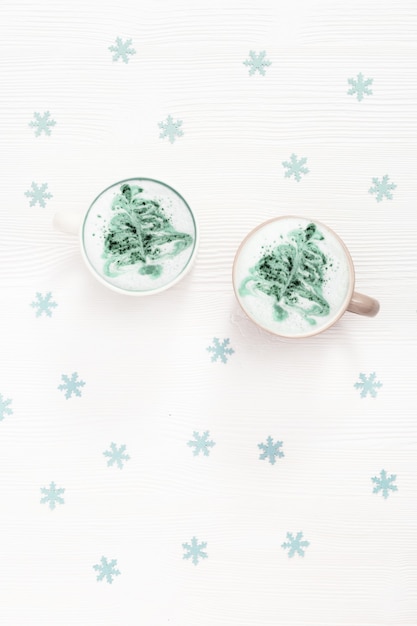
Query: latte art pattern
(140, 235)
(293, 274)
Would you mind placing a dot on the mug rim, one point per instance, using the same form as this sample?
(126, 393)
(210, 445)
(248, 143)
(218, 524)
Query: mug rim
(346, 300)
(133, 292)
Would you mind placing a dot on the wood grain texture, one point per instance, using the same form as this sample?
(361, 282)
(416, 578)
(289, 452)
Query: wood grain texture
(149, 379)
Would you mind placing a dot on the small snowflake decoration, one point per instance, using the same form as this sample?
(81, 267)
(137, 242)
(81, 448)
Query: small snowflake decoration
(122, 50)
(52, 495)
(170, 129)
(106, 569)
(360, 86)
(257, 62)
(382, 188)
(295, 545)
(271, 450)
(116, 455)
(43, 304)
(71, 385)
(201, 443)
(295, 167)
(194, 551)
(220, 350)
(5, 407)
(383, 483)
(38, 194)
(42, 123)
(368, 385)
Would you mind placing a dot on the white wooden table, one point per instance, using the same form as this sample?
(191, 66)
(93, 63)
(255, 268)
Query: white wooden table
(187, 528)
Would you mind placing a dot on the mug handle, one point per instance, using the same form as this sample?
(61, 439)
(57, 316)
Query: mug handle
(363, 305)
(67, 222)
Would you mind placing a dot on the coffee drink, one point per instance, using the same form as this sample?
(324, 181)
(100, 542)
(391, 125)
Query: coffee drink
(293, 276)
(139, 236)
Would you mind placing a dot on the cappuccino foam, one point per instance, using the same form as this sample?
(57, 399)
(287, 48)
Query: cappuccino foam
(139, 235)
(292, 276)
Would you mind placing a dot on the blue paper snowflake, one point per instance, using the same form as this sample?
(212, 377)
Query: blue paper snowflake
(52, 495)
(4, 407)
(295, 167)
(382, 188)
(201, 443)
(42, 123)
(194, 551)
(271, 450)
(71, 385)
(170, 129)
(257, 62)
(43, 304)
(360, 86)
(295, 545)
(383, 483)
(38, 194)
(116, 455)
(106, 569)
(220, 350)
(122, 50)
(368, 385)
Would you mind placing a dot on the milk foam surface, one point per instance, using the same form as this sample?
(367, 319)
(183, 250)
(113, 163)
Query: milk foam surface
(282, 298)
(139, 235)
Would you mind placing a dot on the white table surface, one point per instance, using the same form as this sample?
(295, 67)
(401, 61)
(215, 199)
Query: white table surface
(149, 379)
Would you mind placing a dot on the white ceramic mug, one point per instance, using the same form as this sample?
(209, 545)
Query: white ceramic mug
(294, 277)
(138, 237)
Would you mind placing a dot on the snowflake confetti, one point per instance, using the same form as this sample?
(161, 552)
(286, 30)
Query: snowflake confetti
(368, 385)
(295, 167)
(116, 455)
(122, 50)
(71, 385)
(42, 123)
(201, 443)
(43, 304)
(295, 545)
(360, 86)
(170, 129)
(383, 484)
(52, 495)
(106, 569)
(271, 450)
(257, 62)
(220, 350)
(5, 407)
(38, 194)
(194, 551)
(382, 188)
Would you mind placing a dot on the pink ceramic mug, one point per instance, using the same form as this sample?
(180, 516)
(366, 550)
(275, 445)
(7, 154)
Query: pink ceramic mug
(294, 277)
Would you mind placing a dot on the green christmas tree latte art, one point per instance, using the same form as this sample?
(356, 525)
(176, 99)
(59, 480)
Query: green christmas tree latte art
(293, 274)
(140, 235)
